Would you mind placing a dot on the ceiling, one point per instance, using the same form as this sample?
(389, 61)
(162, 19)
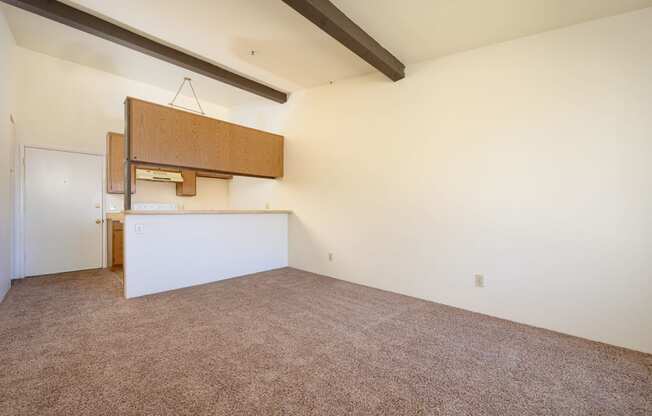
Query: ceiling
(290, 52)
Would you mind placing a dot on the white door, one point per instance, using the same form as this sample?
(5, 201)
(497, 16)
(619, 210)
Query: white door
(63, 211)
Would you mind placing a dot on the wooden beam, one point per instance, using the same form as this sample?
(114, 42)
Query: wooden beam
(331, 20)
(88, 23)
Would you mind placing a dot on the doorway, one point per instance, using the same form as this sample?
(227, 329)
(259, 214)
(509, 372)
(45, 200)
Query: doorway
(62, 211)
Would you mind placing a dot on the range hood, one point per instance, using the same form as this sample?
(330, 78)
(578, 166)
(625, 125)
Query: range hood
(158, 175)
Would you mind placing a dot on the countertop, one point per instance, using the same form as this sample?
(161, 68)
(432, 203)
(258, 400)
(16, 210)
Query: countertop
(216, 211)
(119, 216)
(115, 216)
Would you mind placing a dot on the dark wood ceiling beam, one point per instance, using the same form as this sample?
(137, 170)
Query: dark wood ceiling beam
(331, 20)
(88, 23)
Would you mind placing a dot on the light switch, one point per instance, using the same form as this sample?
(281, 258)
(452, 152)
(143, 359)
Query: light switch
(139, 228)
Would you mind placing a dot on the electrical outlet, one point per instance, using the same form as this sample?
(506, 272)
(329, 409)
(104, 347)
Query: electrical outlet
(267, 205)
(139, 228)
(479, 280)
(330, 256)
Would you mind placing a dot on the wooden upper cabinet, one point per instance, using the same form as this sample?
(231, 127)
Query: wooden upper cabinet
(167, 136)
(189, 185)
(115, 156)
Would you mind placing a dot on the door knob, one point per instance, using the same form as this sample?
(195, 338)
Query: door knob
(98, 221)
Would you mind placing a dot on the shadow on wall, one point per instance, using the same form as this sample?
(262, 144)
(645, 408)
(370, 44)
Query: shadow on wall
(302, 243)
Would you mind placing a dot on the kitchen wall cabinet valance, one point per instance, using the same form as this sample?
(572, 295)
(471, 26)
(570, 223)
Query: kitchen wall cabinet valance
(167, 136)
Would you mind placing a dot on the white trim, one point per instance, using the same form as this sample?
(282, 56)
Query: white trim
(19, 238)
(19, 203)
(14, 195)
(59, 149)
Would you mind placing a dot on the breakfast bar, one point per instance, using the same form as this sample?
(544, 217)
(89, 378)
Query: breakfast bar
(166, 250)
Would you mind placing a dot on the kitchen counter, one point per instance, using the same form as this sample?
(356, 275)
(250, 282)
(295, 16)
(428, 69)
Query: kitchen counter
(120, 216)
(167, 250)
(115, 216)
(217, 211)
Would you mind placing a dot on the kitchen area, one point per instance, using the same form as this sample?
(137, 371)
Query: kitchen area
(174, 227)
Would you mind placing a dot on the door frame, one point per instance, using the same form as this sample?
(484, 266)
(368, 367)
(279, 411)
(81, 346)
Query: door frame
(19, 242)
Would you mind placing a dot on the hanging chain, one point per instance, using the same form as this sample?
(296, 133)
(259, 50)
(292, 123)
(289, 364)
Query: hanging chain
(186, 79)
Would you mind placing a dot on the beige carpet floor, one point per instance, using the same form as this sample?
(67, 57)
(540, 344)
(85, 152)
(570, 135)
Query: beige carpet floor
(287, 342)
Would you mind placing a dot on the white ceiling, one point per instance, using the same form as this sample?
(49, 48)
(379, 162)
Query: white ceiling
(426, 29)
(292, 53)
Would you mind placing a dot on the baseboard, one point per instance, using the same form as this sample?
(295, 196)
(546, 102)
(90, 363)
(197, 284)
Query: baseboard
(4, 289)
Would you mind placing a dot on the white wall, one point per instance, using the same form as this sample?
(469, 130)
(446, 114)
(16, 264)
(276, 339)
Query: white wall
(174, 251)
(7, 150)
(529, 162)
(67, 105)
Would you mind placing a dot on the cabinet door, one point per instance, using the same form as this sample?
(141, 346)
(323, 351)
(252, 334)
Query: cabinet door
(167, 136)
(189, 185)
(118, 246)
(115, 155)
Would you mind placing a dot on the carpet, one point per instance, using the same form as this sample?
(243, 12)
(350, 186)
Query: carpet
(288, 342)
